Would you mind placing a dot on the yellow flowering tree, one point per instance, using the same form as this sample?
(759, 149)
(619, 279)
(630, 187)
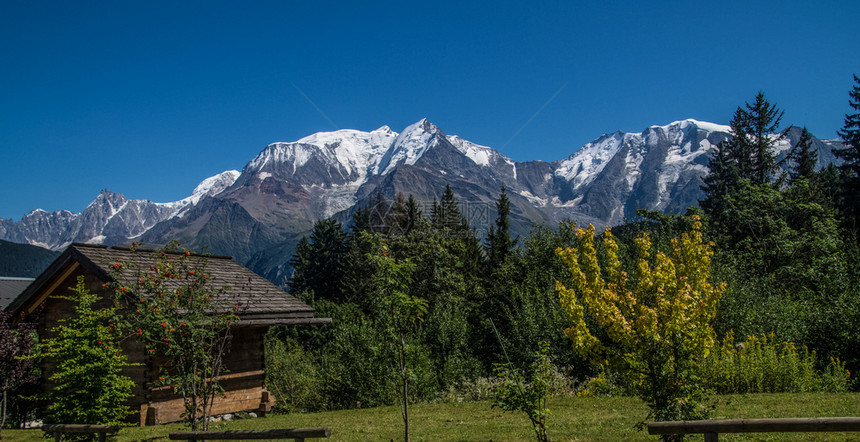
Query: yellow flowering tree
(650, 325)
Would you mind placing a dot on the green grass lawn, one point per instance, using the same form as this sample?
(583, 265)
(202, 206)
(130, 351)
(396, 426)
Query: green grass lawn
(572, 419)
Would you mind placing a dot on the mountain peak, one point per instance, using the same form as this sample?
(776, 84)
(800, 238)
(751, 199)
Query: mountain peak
(214, 184)
(384, 129)
(704, 125)
(410, 145)
(423, 125)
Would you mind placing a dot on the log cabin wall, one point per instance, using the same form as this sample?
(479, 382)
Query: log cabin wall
(243, 382)
(264, 305)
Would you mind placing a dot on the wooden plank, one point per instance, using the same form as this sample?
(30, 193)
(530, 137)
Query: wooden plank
(787, 425)
(294, 433)
(271, 322)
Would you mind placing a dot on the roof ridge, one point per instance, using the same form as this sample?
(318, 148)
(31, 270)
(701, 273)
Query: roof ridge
(128, 249)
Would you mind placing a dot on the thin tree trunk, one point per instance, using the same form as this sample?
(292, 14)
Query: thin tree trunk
(405, 386)
(3, 411)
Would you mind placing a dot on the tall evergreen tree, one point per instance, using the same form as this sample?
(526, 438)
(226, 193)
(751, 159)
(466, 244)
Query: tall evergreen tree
(719, 182)
(499, 239)
(378, 208)
(360, 221)
(850, 154)
(319, 264)
(749, 155)
(451, 215)
(803, 157)
(397, 218)
(446, 213)
(757, 122)
(413, 214)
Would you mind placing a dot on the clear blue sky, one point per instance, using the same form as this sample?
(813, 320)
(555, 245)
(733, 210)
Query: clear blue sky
(149, 98)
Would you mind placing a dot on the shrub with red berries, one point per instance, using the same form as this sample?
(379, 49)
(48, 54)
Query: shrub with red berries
(180, 323)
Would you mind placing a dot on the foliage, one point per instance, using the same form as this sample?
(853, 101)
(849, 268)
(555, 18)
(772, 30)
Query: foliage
(850, 154)
(87, 385)
(803, 158)
(765, 365)
(350, 359)
(654, 328)
(292, 376)
(527, 392)
(317, 259)
(499, 242)
(749, 156)
(174, 311)
(15, 370)
(402, 313)
(523, 303)
(605, 384)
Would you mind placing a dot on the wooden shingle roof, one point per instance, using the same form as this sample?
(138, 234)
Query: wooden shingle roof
(260, 302)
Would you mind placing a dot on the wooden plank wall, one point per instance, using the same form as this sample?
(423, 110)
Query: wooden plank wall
(245, 361)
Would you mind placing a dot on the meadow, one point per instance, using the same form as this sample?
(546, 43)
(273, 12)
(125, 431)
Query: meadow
(571, 419)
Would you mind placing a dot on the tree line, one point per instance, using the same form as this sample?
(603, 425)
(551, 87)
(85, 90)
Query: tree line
(785, 243)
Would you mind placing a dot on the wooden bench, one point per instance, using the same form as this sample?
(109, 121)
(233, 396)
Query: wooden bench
(712, 428)
(298, 434)
(100, 430)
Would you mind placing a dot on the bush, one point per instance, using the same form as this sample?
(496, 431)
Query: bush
(765, 365)
(292, 376)
(528, 393)
(88, 387)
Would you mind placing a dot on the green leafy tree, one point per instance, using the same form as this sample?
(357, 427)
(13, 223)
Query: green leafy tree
(403, 313)
(175, 311)
(651, 325)
(292, 375)
(526, 392)
(87, 385)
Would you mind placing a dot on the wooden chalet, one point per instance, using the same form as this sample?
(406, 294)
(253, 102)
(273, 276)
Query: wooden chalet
(262, 304)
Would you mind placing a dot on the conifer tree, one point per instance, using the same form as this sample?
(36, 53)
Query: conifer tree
(450, 215)
(320, 262)
(751, 148)
(500, 242)
(88, 387)
(748, 157)
(719, 182)
(850, 154)
(413, 214)
(760, 119)
(804, 157)
(360, 221)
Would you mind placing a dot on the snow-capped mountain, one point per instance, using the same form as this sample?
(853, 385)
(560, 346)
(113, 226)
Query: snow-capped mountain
(259, 214)
(110, 218)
